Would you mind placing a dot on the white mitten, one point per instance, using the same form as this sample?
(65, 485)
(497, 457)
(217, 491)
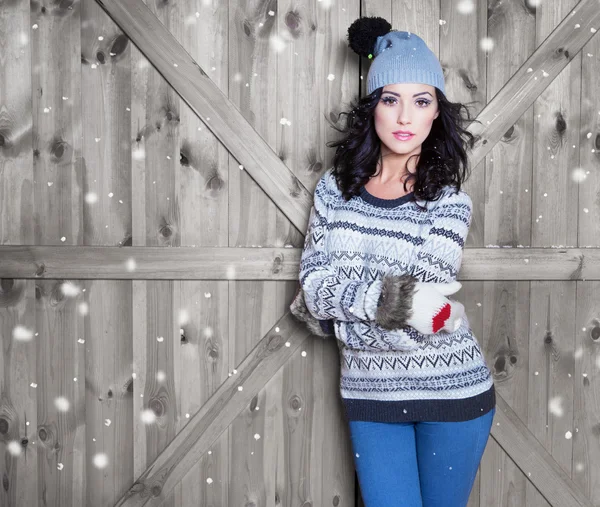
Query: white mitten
(422, 305)
(432, 311)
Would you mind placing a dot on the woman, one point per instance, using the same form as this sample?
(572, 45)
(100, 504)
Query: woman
(382, 252)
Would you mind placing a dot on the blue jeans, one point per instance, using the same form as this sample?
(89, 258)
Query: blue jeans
(418, 464)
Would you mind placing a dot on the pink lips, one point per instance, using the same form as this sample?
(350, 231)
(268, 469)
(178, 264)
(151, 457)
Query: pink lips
(403, 138)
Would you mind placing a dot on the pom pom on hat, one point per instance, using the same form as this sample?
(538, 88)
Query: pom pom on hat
(363, 33)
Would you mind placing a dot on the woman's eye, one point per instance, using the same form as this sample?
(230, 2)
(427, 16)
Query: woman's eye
(390, 100)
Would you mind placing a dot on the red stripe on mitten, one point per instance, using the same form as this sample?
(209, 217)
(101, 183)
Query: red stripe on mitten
(439, 320)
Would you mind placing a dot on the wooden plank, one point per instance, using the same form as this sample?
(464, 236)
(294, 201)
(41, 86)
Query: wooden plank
(264, 469)
(550, 416)
(58, 217)
(200, 211)
(156, 150)
(499, 310)
(586, 386)
(20, 460)
(108, 351)
(555, 210)
(189, 444)
(214, 108)
(498, 313)
(216, 263)
(534, 460)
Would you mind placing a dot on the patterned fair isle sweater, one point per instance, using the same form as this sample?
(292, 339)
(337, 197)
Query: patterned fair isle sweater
(398, 375)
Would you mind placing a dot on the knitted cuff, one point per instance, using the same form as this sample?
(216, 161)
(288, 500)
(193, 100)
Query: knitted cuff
(395, 302)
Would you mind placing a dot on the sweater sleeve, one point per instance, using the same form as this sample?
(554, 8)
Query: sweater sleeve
(327, 294)
(439, 258)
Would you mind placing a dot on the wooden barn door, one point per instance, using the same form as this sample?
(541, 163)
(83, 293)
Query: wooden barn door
(169, 367)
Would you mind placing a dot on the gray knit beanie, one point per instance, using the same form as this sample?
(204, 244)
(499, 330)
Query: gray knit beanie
(398, 56)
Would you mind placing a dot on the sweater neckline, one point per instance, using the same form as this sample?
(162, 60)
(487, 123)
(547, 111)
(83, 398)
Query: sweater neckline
(384, 203)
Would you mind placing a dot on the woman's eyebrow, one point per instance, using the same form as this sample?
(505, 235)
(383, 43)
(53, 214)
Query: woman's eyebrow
(415, 95)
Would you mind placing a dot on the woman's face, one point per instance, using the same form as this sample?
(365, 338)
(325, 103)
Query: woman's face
(410, 107)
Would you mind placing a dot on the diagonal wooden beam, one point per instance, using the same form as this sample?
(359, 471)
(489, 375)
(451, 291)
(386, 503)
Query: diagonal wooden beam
(536, 463)
(194, 86)
(534, 76)
(260, 365)
(226, 122)
(224, 263)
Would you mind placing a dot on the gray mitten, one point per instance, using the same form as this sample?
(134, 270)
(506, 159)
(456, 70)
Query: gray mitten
(323, 328)
(406, 302)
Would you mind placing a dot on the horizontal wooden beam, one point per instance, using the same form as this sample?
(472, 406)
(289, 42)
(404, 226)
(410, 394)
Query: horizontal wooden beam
(213, 107)
(223, 263)
(536, 463)
(195, 438)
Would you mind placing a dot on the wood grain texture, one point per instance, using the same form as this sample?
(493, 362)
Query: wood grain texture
(214, 417)
(270, 263)
(19, 456)
(58, 220)
(167, 141)
(194, 85)
(106, 185)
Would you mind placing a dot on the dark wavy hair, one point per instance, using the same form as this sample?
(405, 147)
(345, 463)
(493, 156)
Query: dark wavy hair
(443, 159)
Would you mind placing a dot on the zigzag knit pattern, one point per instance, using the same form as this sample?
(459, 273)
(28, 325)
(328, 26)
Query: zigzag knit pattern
(398, 375)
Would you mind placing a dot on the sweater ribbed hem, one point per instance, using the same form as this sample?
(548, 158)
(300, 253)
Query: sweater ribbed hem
(427, 410)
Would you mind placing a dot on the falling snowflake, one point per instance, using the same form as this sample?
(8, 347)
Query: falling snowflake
(100, 460)
(554, 406)
(148, 416)
(62, 404)
(91, 197)
(277, 43)
(14, 448)
(184, 317)
(22, 334)
(465, 7)
(69, 289)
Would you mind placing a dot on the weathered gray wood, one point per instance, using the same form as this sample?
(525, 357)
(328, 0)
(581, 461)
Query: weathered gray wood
(534, 460)
(104, 125)
(214, 417)
(18, 361)
(195, 86)
(217, 263)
